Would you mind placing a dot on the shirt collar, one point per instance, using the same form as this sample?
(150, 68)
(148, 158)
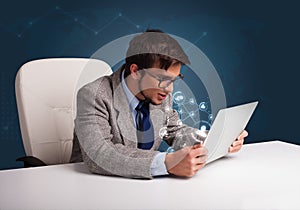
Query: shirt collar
(132, 100)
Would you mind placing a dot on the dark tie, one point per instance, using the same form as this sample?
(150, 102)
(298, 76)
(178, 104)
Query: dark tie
(144, 126)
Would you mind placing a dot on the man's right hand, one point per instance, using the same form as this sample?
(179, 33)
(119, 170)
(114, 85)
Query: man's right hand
(186, 161)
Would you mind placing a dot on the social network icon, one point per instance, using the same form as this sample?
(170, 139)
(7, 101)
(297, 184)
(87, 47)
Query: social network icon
(179, 98)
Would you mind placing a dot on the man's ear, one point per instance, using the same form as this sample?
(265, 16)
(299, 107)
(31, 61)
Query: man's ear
(134, 71)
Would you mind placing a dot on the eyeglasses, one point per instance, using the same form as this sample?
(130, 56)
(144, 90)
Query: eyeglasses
(163, 82)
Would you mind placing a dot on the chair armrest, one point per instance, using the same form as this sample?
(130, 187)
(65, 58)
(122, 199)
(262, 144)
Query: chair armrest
(30, 161)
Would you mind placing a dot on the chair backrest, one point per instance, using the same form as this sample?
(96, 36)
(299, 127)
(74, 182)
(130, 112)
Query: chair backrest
(46, 92)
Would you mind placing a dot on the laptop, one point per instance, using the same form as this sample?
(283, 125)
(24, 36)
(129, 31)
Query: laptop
(227, 126)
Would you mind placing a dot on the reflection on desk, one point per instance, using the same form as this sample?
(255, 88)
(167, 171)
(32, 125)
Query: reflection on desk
(261, 176)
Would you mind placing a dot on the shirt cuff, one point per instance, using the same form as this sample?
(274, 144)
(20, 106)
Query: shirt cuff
(158, 166)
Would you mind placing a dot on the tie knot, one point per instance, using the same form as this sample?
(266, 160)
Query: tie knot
(142, 107)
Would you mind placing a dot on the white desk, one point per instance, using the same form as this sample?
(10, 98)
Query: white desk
(260, 176)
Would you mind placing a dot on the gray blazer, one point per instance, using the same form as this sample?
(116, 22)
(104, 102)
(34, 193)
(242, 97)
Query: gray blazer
(105, 135)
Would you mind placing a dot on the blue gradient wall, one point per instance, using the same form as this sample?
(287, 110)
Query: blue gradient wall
(254, 46)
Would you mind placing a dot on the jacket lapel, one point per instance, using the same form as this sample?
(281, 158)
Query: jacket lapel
(123, 113)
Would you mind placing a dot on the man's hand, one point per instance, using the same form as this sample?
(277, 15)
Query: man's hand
(238, 143)
(187, 161)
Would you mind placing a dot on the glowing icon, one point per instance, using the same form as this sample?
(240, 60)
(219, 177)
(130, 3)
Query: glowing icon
(203, 106)
(163, 132)
(178, 97)
(192, 114)
(167, 109)
(192, 101)
(204, 125)
(179, 122)
(180, 111)
(203, 128)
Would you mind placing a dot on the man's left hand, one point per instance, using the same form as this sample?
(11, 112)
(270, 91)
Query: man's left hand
(238, 143)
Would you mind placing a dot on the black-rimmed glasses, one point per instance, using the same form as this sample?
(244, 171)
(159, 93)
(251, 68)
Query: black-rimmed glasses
(163, 82)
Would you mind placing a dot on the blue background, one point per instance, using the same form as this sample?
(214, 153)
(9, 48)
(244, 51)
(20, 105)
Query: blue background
(254, 46)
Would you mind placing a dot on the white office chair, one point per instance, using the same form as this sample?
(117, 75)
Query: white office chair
(46, 92)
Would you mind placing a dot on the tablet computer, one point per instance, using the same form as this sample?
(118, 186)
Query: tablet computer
(227, 126)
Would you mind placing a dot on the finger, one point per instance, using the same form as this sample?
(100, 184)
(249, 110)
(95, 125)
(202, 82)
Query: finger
(244, 134)
(234, 149)
(198, 145)
(231, 150)
(237, 142)
(198, 152)
(201, 160)
(198, 167)
(186, 150)
(237, 145)
(204, 151)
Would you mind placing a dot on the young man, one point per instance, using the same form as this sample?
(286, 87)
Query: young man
(120, 117)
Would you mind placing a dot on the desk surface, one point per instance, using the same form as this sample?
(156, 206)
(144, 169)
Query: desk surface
(260, 176)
